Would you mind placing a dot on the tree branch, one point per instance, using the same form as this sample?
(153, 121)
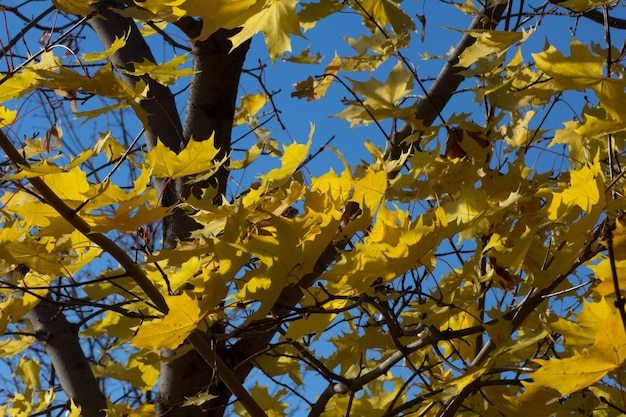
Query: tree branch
(446, 83)
(596, 16)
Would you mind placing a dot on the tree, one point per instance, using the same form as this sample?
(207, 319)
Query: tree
(472, 265)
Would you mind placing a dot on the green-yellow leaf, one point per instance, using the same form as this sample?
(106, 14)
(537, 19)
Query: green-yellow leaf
(584, 5)
(577, 72)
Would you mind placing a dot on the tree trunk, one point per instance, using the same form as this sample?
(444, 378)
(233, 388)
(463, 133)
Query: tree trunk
(59, 339)
(210, 109)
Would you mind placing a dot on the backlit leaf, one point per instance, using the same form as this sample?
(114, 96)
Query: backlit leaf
(582, 69)
(197, 157)
(169, 332)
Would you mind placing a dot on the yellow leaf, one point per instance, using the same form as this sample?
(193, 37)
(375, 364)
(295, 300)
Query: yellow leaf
(399, 83)
(603, 272)
(17, 85)
(277, 19)
(368, 192)
(197, 157)
(293, 156)
(144, 410)
(586, 190)
(116, 45)
(488, 42)
(70, 186)
(251, 154)
(581, 70)
(611, 95)
(270, 403)
(198, 399)
(166, 73)
(385, 12)
(215, 14)
(187, 271)
(11, 347)
(21, 302)
(279, 253)
(311, 13)
(250, 105)
(584, 330)
(331, 70)
(33, 253)
(74, 410)
(584, 5)
(28, 370)
(582, 370)
(79, 7)
(183, 318)
(472, 203)
(7, 116)
(129, 216)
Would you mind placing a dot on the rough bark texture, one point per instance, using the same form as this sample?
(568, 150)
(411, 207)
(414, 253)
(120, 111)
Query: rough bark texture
(213, 96)
(60, 340)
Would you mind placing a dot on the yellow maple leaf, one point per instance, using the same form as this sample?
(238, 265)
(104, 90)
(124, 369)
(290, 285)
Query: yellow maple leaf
(79, 7)
(611, 95)
(215, 14)
(399, 83)
(11, 347)
(586, 190)
(166, 73)
(7, 116)
(293, 156)
(116, 45)
(277, 19)
(197, 157)
(584, 5)
(250, 105)
(488, 42)
(182, 319)
(566, 376)
(129, 217)
(320, 87)
(581, 70)
(385, 12)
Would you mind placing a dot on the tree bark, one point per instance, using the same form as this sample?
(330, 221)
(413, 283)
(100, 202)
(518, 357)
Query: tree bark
(59, 339)
(210, 110)
(213, 96)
